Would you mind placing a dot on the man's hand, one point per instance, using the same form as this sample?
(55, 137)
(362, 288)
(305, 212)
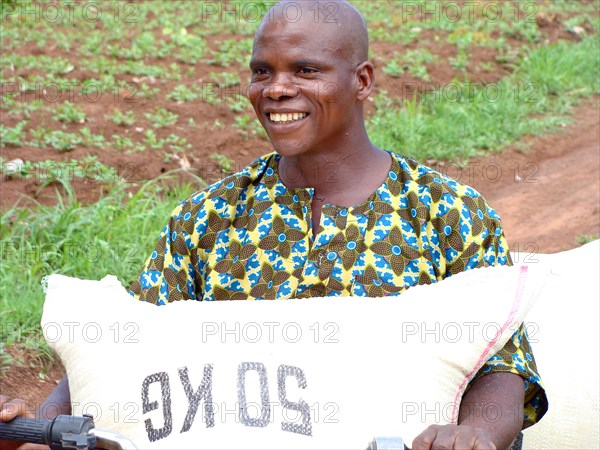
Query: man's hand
(490, 417)
(453, 437)
(13, 408)
(8, 411)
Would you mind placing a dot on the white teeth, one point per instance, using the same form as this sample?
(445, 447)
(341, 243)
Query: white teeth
(286, 117)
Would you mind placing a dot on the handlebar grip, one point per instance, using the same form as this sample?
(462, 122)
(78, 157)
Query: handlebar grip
(22, 429)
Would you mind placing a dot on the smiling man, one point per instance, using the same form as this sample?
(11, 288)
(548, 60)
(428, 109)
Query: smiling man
(330, 214)
(309, 82)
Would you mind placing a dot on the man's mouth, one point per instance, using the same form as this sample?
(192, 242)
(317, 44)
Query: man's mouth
(286, 117)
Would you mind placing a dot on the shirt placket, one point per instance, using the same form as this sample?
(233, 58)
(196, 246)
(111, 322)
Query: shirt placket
(324, 256)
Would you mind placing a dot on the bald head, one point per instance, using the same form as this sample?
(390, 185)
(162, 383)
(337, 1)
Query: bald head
(336, 23)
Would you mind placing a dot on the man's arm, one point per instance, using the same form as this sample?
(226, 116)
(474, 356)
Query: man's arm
(490, 417)
(57, 403)
(495, 403)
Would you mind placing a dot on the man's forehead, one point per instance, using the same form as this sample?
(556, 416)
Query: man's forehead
(303, 33)
(344, 32)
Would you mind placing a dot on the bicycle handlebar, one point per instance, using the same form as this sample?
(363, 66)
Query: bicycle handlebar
(63, 432)
(36, 431)
(74, 432)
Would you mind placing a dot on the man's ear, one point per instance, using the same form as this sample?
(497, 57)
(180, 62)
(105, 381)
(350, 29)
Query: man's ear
(365, 76)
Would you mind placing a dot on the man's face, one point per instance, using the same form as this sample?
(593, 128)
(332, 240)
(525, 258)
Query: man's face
(303, 90)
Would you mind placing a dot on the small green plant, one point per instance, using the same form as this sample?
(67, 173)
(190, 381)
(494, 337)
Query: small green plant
(257, 129)
(237, 103)
(161, 118)
(148, 91)
(191, 47)
(249, 125)
(225, 79)
(182, 93)
(210, 93)
(39, 134)
(583, 239)
(419, 71)
(121, 118)
(487, 66)
(242, 124)
(223, 161)
(461, 61)
(231, 51)
(172, 141)
(69, 113)
(393, 69)
(11, 136)
(8, 102)
(144, 45)
(124, 143)
(177, 143)
(90, 139)
(412, 61)
(25, 108)
(61, 141)
(151, 140)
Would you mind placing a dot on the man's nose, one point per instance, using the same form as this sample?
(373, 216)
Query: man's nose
(280, 87)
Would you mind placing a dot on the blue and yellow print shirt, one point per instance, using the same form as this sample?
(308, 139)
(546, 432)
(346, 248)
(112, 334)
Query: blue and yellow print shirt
(250, 237)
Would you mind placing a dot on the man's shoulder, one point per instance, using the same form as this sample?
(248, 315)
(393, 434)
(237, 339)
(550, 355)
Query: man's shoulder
(240, 180)
(432, 176)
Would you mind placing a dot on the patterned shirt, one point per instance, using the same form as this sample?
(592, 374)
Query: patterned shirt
(249, 236)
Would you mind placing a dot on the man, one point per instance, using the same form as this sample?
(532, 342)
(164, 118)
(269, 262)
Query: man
(329, 213)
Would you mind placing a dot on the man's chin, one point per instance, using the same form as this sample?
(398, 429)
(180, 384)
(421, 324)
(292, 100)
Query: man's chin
(289, 149)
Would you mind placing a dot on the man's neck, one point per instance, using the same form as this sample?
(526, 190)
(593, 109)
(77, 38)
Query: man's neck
(343, 177)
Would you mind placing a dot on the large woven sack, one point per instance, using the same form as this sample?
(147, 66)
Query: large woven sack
(310, 373)
(564, 333)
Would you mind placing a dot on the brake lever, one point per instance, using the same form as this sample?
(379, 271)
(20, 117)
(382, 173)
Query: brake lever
(387, 443)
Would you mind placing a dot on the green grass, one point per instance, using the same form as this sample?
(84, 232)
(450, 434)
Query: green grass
(113, 236)
(460, 120)
(583, 239)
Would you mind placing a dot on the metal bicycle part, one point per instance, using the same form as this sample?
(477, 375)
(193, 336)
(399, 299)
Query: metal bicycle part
(112, 441)
(64, 432)
(387, 443)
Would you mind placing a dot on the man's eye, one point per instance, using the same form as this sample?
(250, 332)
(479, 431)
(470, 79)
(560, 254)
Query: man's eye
(307, 70)
(260, 71)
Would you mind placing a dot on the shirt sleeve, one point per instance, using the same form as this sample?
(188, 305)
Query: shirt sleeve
(489, 247)
(170, 272)
(516, 357)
